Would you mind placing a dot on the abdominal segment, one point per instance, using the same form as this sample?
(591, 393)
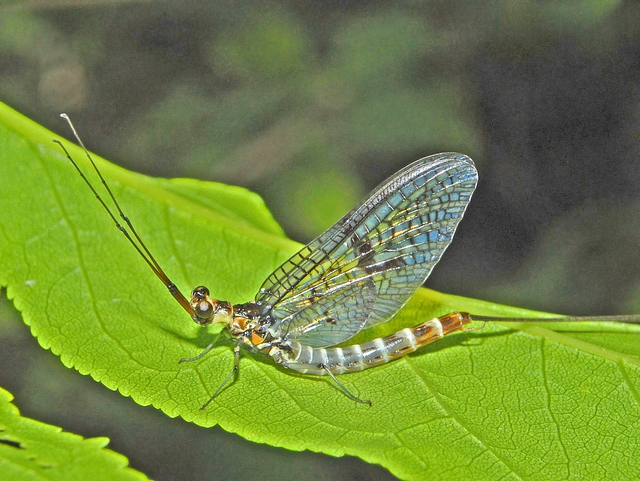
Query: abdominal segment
(357, 357)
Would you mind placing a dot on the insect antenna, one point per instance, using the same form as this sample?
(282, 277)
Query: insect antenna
(139, 245)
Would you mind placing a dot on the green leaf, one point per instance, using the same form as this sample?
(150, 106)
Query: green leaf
(512, 400)
(31, 450)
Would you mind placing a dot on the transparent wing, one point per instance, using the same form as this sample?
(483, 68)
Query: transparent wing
(393, 238)
(339, 316)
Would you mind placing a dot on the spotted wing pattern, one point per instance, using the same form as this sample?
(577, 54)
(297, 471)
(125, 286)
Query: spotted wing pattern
(393, 238)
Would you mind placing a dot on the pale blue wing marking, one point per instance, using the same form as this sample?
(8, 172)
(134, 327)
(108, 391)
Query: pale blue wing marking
(394, 237)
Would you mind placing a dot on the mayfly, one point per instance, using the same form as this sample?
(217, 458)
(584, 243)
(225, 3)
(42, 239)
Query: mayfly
(356, 275)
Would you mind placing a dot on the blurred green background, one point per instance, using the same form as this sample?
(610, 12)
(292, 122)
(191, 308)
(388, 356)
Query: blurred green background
(311, 104)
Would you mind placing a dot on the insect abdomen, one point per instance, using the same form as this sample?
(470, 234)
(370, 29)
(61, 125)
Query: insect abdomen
(339, 360)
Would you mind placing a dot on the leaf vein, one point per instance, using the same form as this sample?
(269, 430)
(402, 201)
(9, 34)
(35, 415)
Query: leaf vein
(482, 443)
(545, 381)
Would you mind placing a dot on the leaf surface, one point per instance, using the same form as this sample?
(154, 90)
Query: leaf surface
(31, 450)
(511, 401)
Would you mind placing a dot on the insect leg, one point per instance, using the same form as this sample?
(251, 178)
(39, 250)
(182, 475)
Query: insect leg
(344, 389)
(236, 367)
(199, 356)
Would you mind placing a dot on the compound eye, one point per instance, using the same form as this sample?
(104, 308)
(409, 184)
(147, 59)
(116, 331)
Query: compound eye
(204, 310)
(200, 292)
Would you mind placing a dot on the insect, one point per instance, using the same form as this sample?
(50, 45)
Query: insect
(356, 275)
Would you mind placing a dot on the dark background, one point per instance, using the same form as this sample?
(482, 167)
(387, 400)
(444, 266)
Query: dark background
(313, 103)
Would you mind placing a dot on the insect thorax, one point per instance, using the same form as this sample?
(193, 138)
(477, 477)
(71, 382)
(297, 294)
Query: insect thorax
(247, 324)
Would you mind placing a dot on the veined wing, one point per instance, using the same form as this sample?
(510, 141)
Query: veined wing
(394, 237)
(338, 316)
